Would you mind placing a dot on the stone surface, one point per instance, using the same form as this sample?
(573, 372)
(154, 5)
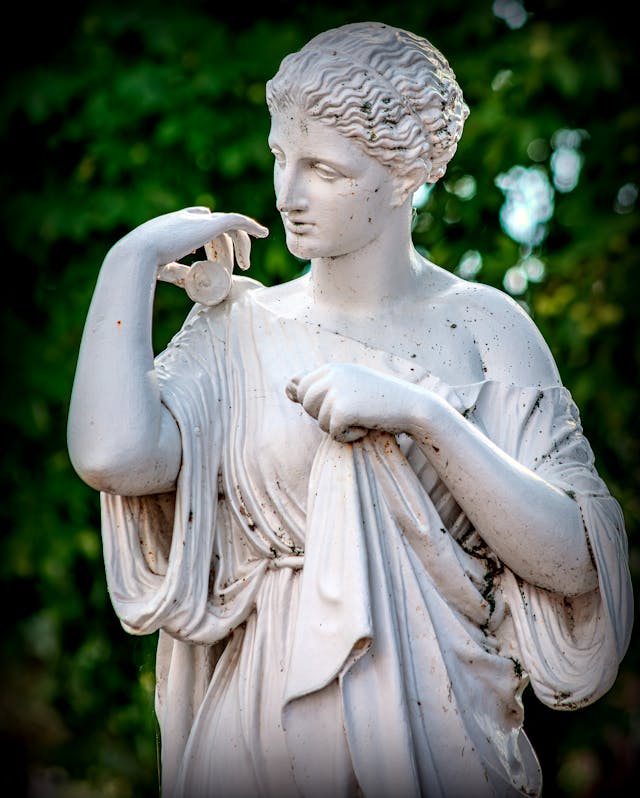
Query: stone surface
(358, 506)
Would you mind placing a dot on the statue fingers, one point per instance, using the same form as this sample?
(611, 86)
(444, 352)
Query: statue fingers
(299, 385)
(315, 379)
(292, 390)
(204, 226)
(313, 398)
(348, 434)
(338, 420)
(324, 414)
(173, 273)
(220, 250)
(242, 246)
(231, 222)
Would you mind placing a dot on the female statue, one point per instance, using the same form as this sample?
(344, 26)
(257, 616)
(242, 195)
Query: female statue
(358, 506)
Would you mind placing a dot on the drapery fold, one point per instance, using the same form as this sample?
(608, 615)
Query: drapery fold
(393, 594)
(571, 647)
(401, 627)
(159, 550)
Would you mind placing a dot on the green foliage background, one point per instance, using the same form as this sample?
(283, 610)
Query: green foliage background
(115, 112)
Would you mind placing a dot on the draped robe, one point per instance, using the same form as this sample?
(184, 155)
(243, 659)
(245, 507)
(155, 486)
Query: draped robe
(330, 622)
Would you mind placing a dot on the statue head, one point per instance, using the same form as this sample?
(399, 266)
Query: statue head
(389, 90)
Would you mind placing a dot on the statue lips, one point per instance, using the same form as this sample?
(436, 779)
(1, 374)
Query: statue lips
(295, 226)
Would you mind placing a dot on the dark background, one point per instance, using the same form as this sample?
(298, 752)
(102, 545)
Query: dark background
(115, 112)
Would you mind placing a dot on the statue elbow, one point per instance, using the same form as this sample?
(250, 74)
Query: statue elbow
(98, 469)
(119, 471)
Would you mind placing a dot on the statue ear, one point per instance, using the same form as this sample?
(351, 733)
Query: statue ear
(409, 182)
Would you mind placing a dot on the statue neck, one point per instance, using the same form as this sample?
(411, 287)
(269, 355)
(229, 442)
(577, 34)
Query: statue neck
(373, 278)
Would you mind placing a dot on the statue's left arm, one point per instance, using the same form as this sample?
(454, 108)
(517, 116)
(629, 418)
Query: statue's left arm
(535, 527)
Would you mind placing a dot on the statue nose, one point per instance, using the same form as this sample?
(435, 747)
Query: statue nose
(291, 195)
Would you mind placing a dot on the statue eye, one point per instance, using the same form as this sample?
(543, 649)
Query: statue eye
(325, 171)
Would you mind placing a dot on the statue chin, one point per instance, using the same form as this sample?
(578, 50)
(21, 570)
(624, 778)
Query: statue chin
(302, 245)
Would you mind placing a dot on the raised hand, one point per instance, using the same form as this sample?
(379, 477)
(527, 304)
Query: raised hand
(121, 438)
(173, 235)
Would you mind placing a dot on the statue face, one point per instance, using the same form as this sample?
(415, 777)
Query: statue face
(333, 197)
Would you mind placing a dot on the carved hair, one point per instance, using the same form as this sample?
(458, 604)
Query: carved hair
(389, 89)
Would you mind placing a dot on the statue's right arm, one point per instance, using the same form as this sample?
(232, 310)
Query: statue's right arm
(121, 438)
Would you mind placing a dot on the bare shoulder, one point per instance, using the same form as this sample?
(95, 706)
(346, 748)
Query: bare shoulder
(511, 346)
(288, 299)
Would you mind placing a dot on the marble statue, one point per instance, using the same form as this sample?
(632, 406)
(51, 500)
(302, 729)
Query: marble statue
(359, 506)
